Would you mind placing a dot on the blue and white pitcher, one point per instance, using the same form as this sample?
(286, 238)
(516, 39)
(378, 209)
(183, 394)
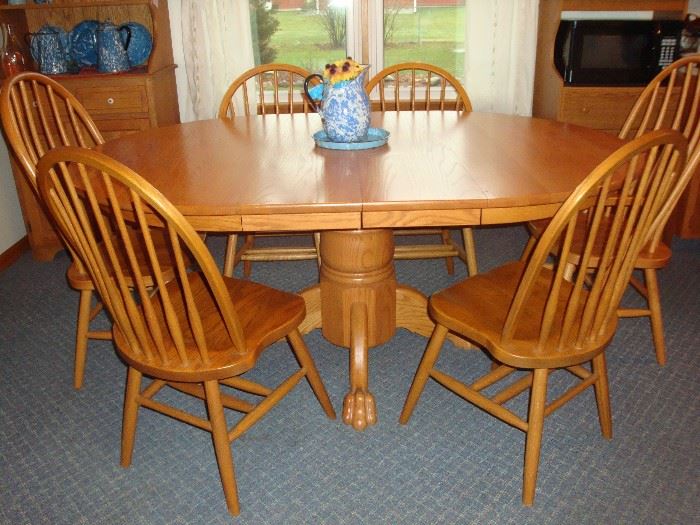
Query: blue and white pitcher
(344, 107)
(111, 47)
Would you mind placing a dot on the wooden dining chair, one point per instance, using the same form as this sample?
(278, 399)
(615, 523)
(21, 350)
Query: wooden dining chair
(416, 86)
(671, 100)
(38, 114)
(268, 89)
(194, 333)
(529, 317)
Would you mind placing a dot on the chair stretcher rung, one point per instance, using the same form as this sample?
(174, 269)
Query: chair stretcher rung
(513, 390)
(479, 400)
(103, 335)
(265, 405)
(246, 385)
(425, 251)
(570, 394)
(633, 312)
(579, 371)
(95, 310)
(639, 286)
(492, 377)
(229, 401)
(421, 251)
(278, 254)
(175, 413)
(419, 231)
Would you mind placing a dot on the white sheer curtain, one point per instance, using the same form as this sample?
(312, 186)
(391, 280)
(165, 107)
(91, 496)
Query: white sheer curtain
(217, 47)
(500, 48)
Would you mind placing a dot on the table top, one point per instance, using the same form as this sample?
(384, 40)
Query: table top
(438, 169)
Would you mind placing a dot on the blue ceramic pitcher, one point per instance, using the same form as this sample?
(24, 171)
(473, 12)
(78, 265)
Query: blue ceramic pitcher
(111, 48)
(344, 107)
(49, 47)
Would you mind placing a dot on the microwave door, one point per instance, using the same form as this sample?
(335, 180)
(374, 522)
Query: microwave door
(612, 53)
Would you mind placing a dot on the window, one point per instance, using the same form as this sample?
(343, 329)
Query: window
(424, 31)
(309, 33)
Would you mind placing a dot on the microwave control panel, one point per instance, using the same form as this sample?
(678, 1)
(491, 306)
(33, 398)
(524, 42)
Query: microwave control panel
(668, 51)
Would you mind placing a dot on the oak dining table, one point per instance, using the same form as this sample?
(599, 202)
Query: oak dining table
(438, 169)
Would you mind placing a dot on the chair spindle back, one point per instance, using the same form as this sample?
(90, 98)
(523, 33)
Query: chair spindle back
(415, 86)
(670, 100)
(94, 198)
(269, 88)
(38, 114)
(635, 189)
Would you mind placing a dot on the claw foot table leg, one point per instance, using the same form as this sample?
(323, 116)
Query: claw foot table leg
(358, 306)
(359, 409)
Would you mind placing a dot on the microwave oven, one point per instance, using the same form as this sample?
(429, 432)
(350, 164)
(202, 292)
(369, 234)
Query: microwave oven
(615, 52)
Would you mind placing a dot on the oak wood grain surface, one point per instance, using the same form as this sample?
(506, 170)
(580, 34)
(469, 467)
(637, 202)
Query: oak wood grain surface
(438, 169)
(253, 173)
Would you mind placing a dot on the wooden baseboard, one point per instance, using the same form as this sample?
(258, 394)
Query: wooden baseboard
(9, 256)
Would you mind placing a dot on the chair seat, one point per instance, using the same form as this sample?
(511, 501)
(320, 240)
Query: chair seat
(648, 258)
(79, 279)
(477, 308)
(265, 314)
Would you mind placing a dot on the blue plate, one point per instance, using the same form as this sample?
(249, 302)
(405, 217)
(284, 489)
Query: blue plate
(375, 138)
(46, 28)
(140, 45)
(82, 43)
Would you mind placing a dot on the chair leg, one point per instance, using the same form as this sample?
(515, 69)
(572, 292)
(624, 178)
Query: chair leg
(426, 365)
(602, 395)
(317, 244)
(230, 257)
(302, 354)
(222, 445)
(470, 250)
(131, 408)
(533, 439)
(449, 262)
(81, 337)
(531, 242)
(657, 325)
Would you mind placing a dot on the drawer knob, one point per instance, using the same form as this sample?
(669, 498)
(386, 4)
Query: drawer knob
(584, 110)
(110, 101)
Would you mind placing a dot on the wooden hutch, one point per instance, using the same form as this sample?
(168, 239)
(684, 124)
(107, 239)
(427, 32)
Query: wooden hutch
(119, 103)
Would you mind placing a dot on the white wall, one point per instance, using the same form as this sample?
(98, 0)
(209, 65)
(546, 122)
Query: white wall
(11, 224)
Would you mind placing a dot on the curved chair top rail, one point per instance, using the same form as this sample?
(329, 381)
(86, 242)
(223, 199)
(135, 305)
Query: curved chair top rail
(670, 100)
(275, 89)
(39, 114)
(421, 77)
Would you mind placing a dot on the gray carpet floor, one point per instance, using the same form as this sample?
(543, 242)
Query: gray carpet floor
(452, 463)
